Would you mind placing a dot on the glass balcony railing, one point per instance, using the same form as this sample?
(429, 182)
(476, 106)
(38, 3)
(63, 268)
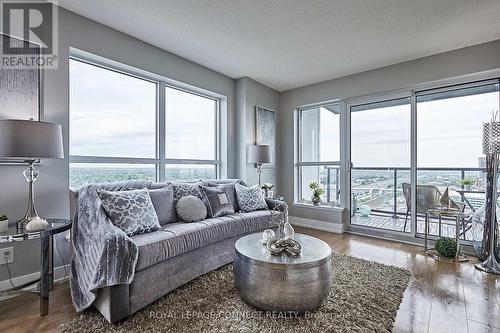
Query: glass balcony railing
(377, 197)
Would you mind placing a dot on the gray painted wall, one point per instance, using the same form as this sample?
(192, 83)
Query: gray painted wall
(457, 63)
(52, 186)
(250, 93)
(242, 96)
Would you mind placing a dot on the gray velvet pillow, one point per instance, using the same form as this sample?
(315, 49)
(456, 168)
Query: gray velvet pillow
(230, 191)
(250, 198)
(217, 200)
(163, 202)
(132, 211)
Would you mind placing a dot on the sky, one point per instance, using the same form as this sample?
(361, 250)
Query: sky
(449, 133)
(114, 115)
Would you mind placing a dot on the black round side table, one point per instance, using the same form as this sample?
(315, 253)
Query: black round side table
(46, 280)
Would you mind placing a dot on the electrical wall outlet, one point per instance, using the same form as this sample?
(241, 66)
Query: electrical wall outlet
(6, 255)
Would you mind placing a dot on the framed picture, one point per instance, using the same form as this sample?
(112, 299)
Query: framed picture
(265, 130)
(20, 88)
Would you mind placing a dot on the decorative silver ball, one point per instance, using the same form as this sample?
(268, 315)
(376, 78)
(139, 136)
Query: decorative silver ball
(267, 236)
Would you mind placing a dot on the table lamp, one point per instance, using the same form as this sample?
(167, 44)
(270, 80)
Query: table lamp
(491, 147)
(259, 154)
(30, 140)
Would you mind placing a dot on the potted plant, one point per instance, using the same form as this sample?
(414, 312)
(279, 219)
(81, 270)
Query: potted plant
(4, 223)
(318, 191)
(467, 182)
(446, 246)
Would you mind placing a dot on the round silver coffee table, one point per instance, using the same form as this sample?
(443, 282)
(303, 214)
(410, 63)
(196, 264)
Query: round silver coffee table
(283, 282)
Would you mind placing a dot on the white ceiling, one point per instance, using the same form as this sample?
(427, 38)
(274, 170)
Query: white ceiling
(290, 43)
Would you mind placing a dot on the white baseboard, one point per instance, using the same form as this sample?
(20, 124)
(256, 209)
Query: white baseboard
(60, 274)
(337, 228)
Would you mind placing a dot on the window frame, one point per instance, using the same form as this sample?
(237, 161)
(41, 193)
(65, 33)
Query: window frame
(160, 161)
(299, 164)
(411, 92)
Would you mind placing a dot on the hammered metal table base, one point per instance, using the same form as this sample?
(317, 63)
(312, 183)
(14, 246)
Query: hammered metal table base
(283, 283)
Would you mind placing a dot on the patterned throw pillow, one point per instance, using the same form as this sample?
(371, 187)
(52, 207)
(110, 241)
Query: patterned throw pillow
(184, 189)
(217, 200)
(250, 198)
(132, 211)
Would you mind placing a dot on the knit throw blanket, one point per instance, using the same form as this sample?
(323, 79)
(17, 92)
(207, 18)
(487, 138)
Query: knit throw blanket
(103, 255)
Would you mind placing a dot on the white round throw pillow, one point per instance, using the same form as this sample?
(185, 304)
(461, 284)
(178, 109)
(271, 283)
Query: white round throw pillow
(191, 209)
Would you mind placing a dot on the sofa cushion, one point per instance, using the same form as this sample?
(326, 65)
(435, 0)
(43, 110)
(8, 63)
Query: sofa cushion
(230, 190)
(184, 189)
(219, 199)
(250, 198)
(132, 211)
(163, 202)
(191, 209)
(177, 238)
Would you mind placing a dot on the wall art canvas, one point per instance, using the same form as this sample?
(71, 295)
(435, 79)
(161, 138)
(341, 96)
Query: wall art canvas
(265, 126)
(19, 90)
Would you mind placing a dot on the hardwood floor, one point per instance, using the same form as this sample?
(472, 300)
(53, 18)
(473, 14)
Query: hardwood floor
(441, 297)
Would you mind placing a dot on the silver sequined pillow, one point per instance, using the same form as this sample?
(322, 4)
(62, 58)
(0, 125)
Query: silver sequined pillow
(132, 211)
(250, 198)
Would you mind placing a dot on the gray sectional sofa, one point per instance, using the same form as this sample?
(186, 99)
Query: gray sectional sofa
(177, 254)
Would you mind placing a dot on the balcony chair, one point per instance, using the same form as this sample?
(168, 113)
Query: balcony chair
(428, 197)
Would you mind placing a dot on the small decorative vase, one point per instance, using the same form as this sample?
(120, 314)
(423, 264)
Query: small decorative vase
(267, 235)
(288, 231)
(468, 187)
(316, 201)
(4, 226)
(266, 192)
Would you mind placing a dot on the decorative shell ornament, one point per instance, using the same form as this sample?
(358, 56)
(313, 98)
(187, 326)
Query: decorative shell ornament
(37, 224)
(288, 230)
(267, 236)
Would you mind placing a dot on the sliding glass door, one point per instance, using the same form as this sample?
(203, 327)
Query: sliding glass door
(449, 148)
(403, 147)
(380, 157)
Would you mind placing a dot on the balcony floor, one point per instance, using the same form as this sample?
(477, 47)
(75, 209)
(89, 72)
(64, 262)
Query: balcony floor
(397, 224)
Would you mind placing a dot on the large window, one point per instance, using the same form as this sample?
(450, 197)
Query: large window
(116, 132)
(319, 152)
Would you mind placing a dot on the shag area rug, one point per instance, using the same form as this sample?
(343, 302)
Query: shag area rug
(365, 297)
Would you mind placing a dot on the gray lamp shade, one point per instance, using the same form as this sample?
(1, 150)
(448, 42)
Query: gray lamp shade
(491, 137)
(259, 154)
(28, 139)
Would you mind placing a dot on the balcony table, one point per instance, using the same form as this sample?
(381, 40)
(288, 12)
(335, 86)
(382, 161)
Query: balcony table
(46, 280)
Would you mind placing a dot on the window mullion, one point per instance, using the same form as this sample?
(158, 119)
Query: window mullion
(161, 130)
